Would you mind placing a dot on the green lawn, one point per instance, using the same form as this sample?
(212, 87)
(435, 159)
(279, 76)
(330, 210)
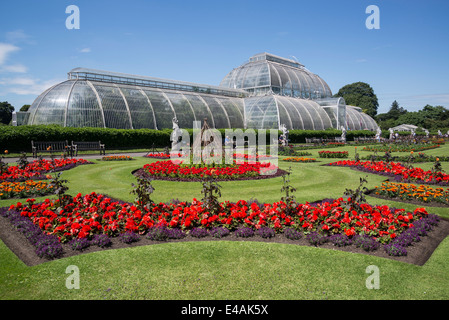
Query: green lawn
(227, 270)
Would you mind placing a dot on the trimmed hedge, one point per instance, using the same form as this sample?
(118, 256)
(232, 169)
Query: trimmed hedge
(299, 136)
(17, 139)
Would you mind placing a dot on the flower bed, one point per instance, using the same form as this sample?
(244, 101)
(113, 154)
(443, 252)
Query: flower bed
(299, 159)
(91, 214)
(333, 154)
(406, 191)
(29, 188)
(177, 170)
(117, 158)
(37, 169)
(401, 148)
(397, 170)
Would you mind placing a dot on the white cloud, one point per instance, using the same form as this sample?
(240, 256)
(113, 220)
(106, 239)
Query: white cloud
(27, 85)
(85, 50)
(17, 36)
(5, 50)
(16, 68)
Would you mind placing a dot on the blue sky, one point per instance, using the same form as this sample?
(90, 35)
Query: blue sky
(201, 41)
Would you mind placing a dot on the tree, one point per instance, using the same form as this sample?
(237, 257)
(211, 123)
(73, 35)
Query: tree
(25, 108)
(360, 94)
(6, 111)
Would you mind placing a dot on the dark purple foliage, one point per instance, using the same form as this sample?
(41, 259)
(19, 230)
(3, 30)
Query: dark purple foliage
(79, 244)
(219, 232)
(129, 237)
(315, 238)
(244, 232)
(366, 242)
(176, 233)
(340, 240)
(265, 232)
(198, 232)
(101, 240)
(157, 233)
(395, 249)
(292, 234)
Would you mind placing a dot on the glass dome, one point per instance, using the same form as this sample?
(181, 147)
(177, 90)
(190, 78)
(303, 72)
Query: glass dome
(267, 73)
(84, 103)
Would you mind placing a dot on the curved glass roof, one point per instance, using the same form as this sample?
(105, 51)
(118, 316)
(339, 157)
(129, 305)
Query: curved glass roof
(267, 73)
(84, 103)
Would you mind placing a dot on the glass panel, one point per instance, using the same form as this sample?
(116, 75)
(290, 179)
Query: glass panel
(182, 108)
(200, 109)
(220, 117)
(83, 109)
(162, 110)
(52, 107)
(251, 76)
(34, 106)
(139, 107)
(235, 117)
(263, 78)
(261, 113)
(114, 107)
(307, 120)
(275, 82)
(295, 116)
(284, 118)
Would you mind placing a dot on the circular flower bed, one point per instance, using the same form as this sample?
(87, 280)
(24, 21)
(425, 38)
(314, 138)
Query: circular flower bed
(175, 170)
(37, 169)
(398, 170)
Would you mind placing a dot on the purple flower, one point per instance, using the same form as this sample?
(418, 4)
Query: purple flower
(198, 232)
(129, 237)
(265, 232)
(101, 240)
(244, 232)
(292, 234)
(219, 232)
(79, 244)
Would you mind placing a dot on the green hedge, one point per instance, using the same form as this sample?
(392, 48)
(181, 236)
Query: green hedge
(299, 136)
(17, 139)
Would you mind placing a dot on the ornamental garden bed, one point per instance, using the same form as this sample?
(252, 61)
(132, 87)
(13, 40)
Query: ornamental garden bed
(397, 170)
(176, 171)
(38, 169)
(117, 158)
(25, 189)
(37, 233)
(333, 154)
(299, 159)
(410, 193)
(402, 148)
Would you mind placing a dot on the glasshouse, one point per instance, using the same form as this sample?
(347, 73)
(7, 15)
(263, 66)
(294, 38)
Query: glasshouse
(267, 92)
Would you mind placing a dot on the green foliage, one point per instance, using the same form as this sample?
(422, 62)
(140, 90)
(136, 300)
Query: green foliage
(289, 198)
(360, 94)
(6, 110)
(143, 191)
(357, 196)
(299, 136)
(211, 194)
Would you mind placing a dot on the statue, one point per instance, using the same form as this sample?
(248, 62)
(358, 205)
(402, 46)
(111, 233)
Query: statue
(378, 134)
(284, 135)
(427, 133)
(391, 134)
(343, 134)
(176, 133)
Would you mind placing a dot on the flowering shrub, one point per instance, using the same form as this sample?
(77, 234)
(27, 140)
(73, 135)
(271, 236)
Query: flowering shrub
(406, 191)
(394, 169)
(116, 158)
(38, 168)
(225, 171)
(299, 159)
(333, 154)
(29, 188)
(244, 232)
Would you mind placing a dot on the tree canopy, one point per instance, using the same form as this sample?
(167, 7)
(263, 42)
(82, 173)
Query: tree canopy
(6, 110)
(360, 94)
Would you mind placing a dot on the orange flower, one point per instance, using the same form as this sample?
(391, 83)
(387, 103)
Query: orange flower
(6, 151)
